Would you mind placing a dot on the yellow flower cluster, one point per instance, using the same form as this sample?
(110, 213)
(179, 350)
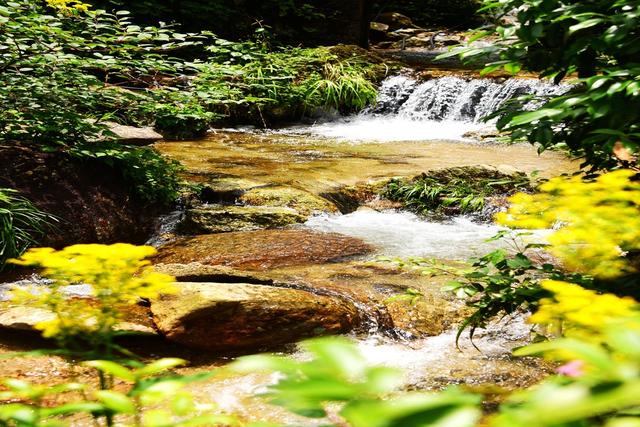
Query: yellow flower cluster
(69, 6)
(118, 275)
(600, 220)
(581, 312)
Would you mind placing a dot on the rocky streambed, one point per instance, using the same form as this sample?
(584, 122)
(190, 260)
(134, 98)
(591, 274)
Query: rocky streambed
(280, 240)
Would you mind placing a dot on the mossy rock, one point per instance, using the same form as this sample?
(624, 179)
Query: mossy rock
(227, 190)
(222, 219)
(302, 201)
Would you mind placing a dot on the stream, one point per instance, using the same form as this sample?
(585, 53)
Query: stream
(415, 127)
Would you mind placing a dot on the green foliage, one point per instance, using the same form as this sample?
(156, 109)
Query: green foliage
(499, 283)
(290, 81)
(21, 224)
(294, 21)
(597, 40)
(426, 194)
(338, 374)
(182, 122)
(147, 386)
(60, 76)
(600, 387)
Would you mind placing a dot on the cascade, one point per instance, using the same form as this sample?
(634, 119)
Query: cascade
(454, 98)
(445, 108)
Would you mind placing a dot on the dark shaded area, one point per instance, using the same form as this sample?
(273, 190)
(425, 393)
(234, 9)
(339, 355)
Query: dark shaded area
(314, 22)
(90, 198)
(453, 14)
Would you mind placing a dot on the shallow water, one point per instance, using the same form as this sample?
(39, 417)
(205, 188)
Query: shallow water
(320, 164)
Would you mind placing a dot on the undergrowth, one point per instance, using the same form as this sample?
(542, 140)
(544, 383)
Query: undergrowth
(21, 224)
(426, 194)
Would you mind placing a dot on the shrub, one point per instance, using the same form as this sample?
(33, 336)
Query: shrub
(21, 224)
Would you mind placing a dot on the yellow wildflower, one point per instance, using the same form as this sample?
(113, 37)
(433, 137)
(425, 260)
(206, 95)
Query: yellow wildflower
(599, 220)
(581, 312)
(69, 7)
(117, 275)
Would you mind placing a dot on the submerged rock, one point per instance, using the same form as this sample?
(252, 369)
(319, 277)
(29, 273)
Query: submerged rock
(222, 219)
(262, 249)
(241, 316)
(300, 200)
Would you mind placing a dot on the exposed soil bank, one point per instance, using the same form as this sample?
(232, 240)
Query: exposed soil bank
(91, 199)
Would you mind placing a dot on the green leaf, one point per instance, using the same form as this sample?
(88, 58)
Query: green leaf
(158, 366)
(115, 401)
(111, 368)
(585, 24)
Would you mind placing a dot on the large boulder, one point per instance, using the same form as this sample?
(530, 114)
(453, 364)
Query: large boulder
(263, 249)
(222, 219)
(241, 317)
(198, 272)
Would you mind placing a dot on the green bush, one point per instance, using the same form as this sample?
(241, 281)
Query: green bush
(426, 194)
(60, 78)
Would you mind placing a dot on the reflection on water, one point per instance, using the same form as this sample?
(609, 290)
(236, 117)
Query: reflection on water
(319, 164)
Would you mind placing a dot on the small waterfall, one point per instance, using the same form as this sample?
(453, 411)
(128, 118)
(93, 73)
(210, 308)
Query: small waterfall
(454, 98)
(445, 108)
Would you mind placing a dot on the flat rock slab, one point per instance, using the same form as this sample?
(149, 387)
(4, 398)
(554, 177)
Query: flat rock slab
(224, 219)
(263, 249)
(134, 135)
(24, 318)
(240, 317)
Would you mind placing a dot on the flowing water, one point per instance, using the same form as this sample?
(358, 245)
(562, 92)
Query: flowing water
(446, 108)
(403, 234)
(414, 127)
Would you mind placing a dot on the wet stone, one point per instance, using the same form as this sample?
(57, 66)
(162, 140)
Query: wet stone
(223, 219)
(263, 249)
(283, 196)
(240, 317)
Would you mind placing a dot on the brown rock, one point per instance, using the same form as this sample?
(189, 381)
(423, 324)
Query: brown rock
(240, 316)
(134, 135)
(223, 219)
(262, 249)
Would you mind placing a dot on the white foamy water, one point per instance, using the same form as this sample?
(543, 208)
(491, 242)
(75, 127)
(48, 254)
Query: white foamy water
(445, 108)
(404, 234)
(427, 359)
(387, 129)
